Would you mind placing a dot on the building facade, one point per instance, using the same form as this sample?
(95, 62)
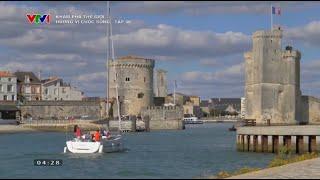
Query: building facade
(195, 100)
(28, 86)
(232, 104)
(179, 99)
(133, 77)
(243, 107)
(272, 80)
(161, 89)
(54, 89)
(8, 86)
(190, 108)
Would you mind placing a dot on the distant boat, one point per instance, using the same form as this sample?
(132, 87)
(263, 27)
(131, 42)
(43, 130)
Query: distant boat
(192, 120)
(233, 128)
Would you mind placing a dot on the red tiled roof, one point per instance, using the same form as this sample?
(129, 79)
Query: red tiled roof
(6, 74)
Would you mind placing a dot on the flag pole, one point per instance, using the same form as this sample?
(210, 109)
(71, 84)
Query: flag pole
(271, 18)
(174, 92)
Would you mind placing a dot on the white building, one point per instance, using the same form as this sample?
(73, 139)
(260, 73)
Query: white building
(8, 86)
(243, 107)
(54, 89)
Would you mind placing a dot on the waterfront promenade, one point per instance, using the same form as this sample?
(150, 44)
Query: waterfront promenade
(4, 129)
(49, 125)
(308, 169)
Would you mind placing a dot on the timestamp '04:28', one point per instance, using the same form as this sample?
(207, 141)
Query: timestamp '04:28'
(48, 162)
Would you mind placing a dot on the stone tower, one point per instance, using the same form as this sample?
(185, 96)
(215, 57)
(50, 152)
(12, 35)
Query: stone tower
(161, 83)
(135, 84)
(272, 80)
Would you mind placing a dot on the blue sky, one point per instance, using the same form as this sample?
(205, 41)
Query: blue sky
(200, 44)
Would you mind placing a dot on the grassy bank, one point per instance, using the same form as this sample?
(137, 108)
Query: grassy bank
(285, 156)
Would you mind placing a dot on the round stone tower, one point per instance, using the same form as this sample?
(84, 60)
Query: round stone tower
(134, 77)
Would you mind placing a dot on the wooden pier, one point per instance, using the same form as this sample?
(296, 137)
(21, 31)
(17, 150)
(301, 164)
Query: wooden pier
(298, 138)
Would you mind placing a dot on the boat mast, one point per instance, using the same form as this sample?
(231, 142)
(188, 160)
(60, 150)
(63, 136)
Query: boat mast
(107, 64)
(114, 68)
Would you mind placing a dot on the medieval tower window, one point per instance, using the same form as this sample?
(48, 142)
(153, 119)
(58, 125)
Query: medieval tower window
(140, 95)
(161, 81)
(127, 79)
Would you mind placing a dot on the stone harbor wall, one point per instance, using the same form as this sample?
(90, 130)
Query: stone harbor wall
(163, 118)
(127, 125)
(310, 110)
(63, 109)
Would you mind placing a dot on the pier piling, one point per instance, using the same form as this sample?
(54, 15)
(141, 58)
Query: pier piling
(299, 139)
(275, 144)
(264, 143)
(312, 144)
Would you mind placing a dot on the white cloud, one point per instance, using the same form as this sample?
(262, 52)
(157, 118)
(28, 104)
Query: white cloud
(227, 81)
(203, 8)
(209, 62)
(172, 41)
(309, 34)
(92, 77)
(15, 66)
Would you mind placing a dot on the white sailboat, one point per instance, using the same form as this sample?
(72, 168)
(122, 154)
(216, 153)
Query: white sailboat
(107, 144)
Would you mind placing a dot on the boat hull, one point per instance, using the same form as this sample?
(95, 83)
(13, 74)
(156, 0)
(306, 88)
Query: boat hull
(83, 147)
(112, 144)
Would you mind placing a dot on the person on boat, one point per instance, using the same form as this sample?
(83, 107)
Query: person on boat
(77, 131)
(87, 136)
(97, 136)
(108, 134)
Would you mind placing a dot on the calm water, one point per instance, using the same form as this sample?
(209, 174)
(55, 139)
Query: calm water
(199, 150)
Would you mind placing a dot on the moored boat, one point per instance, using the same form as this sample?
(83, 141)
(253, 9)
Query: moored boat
(192, 120)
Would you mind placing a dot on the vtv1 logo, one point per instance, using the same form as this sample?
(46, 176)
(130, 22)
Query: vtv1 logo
(37, 18)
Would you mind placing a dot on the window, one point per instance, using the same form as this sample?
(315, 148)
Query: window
(10, 88)
(46, 91)
(27, 79)
(5, 97)
(144, 79)
(140, 95)
(9, 79)
(127, 79)
(13, 98)
(28, 90)
(1, 88)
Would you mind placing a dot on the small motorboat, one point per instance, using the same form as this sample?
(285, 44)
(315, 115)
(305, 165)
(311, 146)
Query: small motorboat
(232, 129)
(80, 145)
(112, 144)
